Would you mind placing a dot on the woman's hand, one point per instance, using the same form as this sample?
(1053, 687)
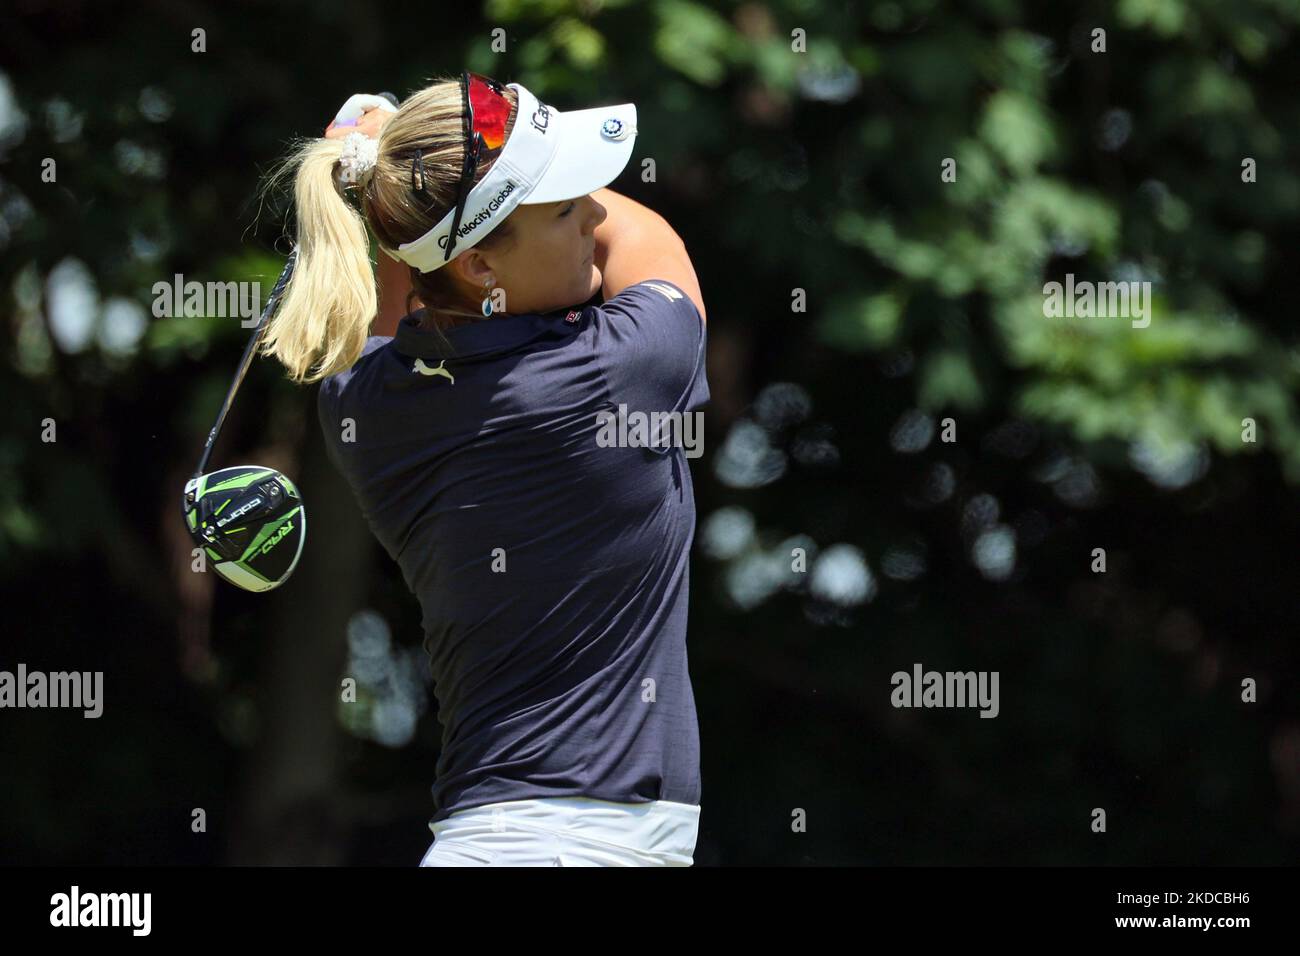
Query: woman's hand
(370, 123)
(362, 113)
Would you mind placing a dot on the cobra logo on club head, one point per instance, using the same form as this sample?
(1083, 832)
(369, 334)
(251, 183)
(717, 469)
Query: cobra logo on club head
(429, 370)
(239, 512)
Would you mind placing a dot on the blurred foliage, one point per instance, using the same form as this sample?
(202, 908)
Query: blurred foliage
(817, 171)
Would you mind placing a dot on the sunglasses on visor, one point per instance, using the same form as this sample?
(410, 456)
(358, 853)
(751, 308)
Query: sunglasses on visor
(485, 111)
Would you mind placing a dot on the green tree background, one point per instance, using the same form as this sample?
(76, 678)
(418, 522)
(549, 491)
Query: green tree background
(859, 306)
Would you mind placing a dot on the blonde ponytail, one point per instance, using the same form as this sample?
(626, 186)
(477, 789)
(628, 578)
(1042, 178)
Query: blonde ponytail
(321, 324)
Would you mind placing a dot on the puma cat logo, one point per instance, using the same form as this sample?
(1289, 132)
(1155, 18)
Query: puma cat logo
(427, 370)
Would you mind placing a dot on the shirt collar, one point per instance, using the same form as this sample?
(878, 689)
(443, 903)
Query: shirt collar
(494, 336)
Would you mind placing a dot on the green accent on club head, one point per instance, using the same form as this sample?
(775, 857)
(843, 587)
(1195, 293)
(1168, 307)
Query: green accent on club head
(243, 576)
(276, 538)
(266, 532)
(214, 555)
(223, 507)
(249, 570)
(189, 517)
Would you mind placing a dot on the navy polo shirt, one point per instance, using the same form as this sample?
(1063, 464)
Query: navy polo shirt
(552, 570)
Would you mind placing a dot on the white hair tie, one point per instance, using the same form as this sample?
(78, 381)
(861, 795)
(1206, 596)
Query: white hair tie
(360, 153)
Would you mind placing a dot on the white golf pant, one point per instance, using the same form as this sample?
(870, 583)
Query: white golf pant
(566, 831)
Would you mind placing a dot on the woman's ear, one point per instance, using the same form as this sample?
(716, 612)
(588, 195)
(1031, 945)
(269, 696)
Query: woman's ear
(472, 267)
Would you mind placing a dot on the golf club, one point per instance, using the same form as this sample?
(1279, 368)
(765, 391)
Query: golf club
(249, 519)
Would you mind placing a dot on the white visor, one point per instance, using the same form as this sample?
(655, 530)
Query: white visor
(549, 156)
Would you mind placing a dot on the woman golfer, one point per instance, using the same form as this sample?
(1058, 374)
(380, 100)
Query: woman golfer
(550, 562)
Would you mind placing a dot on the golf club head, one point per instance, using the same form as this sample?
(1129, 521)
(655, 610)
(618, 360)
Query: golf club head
(251, 523)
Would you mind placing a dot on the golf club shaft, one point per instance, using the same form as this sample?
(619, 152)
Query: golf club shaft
(249, 352)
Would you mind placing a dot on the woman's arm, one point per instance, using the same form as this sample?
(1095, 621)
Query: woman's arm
(635, 243)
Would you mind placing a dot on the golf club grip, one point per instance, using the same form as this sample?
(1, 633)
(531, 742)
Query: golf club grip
(249, 351)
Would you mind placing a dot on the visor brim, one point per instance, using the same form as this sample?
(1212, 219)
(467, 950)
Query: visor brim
(586, 158)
